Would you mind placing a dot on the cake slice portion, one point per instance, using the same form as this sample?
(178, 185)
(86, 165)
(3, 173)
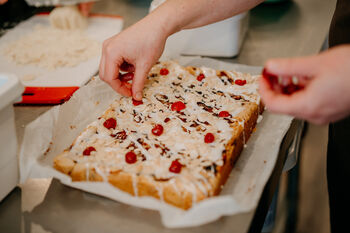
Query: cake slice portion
(178, 144)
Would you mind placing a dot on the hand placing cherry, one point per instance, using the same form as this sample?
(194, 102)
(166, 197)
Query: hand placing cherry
(284, 84)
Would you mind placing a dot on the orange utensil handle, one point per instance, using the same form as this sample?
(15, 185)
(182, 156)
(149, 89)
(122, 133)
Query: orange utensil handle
(47, 95)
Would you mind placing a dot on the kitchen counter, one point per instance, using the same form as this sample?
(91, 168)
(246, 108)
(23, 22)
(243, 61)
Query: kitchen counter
(293, 28)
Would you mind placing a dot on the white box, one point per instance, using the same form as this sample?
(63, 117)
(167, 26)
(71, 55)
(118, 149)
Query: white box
(10, 90)
(221, 39)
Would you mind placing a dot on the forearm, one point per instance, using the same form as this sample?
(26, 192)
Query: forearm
(175, 15)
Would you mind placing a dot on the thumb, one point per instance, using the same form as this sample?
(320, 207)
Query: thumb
(302, 66)
(139, 80)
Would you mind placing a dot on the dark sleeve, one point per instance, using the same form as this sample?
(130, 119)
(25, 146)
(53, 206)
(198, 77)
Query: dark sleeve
(340, 26)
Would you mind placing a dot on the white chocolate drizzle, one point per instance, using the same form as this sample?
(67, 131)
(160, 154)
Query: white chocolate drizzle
(134, 184)
(160, 192)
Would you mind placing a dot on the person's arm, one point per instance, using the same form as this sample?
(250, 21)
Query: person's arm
(3, 2)
(142, 44)
(325, 98)
(184, 14)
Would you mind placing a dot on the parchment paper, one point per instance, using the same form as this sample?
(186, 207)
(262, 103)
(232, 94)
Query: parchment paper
(55, 130)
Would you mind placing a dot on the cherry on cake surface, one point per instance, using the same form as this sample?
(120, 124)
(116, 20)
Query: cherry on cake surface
(240, 82)
(130, 157)
(200, 77)
(175, 166)
(178, 106)
(164, 71)
(110, 123)
(88, 150)
(224, 114)
(209, 138)
(157, 130)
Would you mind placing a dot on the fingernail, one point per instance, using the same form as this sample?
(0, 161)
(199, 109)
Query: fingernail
(138, 96)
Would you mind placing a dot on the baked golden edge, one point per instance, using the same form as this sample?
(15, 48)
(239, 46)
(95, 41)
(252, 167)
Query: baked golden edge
(146, 186)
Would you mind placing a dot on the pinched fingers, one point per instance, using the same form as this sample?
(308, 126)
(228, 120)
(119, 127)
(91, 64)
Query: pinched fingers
(305, 104)
(287, 86)
(314, 99)
(142, 69)
(110, 65)
(109, 70)
(284, 104)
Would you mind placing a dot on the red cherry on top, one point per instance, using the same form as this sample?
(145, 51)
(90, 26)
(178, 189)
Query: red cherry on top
(110, 123)
(200, 77)
(88, 150)
(224, 114)
(164, 71)
(178, 106)
(175, 166)
(136, 102)
(240, 82)
(157, 130)
(130, 157)
(209, 138)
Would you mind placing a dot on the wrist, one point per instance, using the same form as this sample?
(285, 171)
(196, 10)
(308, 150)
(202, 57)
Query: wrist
(163, 20)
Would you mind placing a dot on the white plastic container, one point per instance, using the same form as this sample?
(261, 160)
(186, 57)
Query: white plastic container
(10, 90)
(221, 39)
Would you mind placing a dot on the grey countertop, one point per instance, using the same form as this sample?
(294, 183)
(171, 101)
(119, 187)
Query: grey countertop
(294, 28)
